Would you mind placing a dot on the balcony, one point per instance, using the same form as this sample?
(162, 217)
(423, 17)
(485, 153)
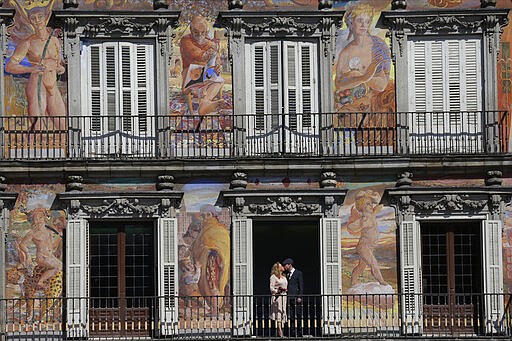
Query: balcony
(383, 316)
(259, 136)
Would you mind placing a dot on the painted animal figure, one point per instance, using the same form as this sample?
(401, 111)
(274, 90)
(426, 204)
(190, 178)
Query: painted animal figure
(27, 281)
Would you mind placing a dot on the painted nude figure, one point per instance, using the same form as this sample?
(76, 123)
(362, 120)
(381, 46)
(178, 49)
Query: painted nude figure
(42, 50)
(363, 222)
(43, 238)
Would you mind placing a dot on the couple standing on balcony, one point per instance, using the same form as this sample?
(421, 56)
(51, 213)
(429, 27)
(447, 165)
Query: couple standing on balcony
(286, 287)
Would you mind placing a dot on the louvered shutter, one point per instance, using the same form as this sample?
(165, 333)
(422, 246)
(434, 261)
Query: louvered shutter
(445, 95)
(119, 95)
(137, 135)
(77, 278)
(331, 274)
(300, 97)
(242, 277)
(167, 275)
(410, 269)
(264, 100)
(493, 275)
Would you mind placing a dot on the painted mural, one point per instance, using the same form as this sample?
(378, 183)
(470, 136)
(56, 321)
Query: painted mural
(34, 257)
(204, 255)
(200, 80)
(200, 109)
(368, 245)
(35, 95)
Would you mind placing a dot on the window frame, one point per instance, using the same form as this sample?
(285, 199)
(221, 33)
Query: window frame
(486, 23)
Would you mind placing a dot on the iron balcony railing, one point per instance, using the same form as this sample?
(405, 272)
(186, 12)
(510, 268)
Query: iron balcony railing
(229, 317)
(254, 135)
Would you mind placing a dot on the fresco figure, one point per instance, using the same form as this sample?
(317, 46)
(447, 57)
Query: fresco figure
(42, 49)
(189, 287)
(42, 236)
(211, 250)
(201, 67)
(363, 222)
(363, 66)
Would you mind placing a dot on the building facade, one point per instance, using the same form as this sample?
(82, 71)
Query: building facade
(159, 157)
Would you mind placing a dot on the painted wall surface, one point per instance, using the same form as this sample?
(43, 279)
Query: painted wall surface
(368, 244)
(200, 73)
(34, 255)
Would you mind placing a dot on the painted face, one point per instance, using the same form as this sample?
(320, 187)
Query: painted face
(361, 24)
(198, 32)
(37, 18)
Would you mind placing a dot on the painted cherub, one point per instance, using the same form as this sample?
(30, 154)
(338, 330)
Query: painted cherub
(363, 222)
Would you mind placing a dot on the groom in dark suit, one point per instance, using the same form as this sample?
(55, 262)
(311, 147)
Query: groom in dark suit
(295, 292)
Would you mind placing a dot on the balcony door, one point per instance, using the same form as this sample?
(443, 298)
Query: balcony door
(282, 101)
(445, 95)
(452, 277)
(121, 278)
(118, 99)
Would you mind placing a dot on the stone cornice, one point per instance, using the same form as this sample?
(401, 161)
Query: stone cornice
(116, 23)
(121, 204)
(443, 20)
(279, 23)
(7, 199)
(6, 15)
(285, 202)
(449, 200)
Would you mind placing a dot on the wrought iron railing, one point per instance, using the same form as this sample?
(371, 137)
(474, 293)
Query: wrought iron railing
(254, 135)
(224, 317)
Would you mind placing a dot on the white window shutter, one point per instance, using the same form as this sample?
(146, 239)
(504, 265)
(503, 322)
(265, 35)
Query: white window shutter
(242, 277)
(410, 269)
(143, 88)
(493, 275)
(119, 94)
(330, 250)
(77, 278)
(94, 85)
(446, 83)
(167, 275)
(259, 84)
(291, 83)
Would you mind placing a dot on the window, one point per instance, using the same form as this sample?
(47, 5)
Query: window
(282, 97)
(452, 276)
(445, 95)
(121, 279)
(118, 101)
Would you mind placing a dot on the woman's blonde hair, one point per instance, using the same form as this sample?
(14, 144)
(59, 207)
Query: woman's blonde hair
(276, 269)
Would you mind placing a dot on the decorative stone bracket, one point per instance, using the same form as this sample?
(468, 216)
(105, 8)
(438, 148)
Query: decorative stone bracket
(150, 204)
(442, 202)
(316, 202)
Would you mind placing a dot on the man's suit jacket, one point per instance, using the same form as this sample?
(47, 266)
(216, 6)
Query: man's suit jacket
(296, 284)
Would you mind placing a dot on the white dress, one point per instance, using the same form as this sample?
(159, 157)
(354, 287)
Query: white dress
(278, 301)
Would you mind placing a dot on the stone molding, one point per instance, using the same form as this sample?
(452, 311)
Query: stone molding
(147, 204)
(450, 201)
(312, 202)
(487, 21)
(7, 200)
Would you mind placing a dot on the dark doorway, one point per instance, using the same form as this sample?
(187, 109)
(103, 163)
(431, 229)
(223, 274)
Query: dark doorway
(273, 241)
(121, 278)
(452, 276)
